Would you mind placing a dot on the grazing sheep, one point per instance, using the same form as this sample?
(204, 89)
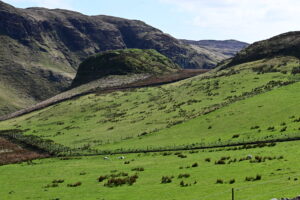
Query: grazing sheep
(122, 157)
(106, 158)
(249, 157)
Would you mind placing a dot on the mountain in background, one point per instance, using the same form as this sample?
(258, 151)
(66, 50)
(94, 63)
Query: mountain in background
(221, 49)
(41, 49)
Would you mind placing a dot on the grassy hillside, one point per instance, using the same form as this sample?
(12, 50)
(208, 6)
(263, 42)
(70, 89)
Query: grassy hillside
(143, 118)
(123, 62)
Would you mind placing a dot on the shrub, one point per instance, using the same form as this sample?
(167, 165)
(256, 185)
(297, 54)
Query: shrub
(283, 129)
(181, 156)
(207, 159)
(51, 185)
(114, 182)
(58, 181)
(271, 128)
(236, 136)
(258, 177)
(225, 158)
(297, 120)
(127, 162)
(296, 70)
(166, 179)
(232, 181)
(255, 127)
(219, 181)
(195, 165)
(182, 184)
(139, 169)
(119, 174)
(77, 184)
(184, 175)
(250, 178)
(102, 178)
(220, 162)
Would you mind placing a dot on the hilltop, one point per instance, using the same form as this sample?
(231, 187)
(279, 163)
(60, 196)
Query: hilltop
(123, 62)
(287, 44)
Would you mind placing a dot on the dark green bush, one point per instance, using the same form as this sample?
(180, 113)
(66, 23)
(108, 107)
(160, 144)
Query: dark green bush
(166, 179)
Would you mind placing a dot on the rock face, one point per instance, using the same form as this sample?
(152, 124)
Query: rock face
(41, 49)
(122, 62)
(287, 44)
(221, 48)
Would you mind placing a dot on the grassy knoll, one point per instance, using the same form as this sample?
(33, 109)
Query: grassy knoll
(122, 62)
(276, 167)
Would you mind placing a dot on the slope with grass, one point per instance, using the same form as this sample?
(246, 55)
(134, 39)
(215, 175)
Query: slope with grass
(143, 118)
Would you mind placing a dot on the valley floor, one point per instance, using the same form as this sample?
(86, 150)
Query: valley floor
(259, 173)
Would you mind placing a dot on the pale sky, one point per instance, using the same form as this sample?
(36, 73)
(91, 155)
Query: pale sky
(245, 20)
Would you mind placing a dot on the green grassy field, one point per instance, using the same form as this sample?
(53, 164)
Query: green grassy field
(279, 176)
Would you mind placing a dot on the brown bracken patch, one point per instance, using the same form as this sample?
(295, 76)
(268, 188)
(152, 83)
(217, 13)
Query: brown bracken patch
(13, 153)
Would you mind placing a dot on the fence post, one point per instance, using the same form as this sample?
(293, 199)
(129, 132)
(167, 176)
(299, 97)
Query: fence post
(232, 193)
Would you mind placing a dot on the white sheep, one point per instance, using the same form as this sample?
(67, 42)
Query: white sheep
(106, 158)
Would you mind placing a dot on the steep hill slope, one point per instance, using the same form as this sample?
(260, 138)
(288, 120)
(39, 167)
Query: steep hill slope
(41, 49)
(218, 48)
(123, 62)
